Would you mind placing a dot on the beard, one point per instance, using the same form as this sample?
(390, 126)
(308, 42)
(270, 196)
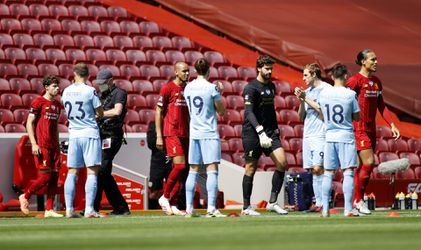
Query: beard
(267, 76)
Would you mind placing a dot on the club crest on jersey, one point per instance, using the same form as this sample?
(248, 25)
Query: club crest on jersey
(268, 91)
(53, 107)
(161, 98)
(371, 83)
(246, 97)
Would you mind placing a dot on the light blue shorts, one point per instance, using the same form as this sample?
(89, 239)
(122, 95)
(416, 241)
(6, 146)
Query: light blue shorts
(339, 154)
(84, 152)
(313, 152)
(204, 151)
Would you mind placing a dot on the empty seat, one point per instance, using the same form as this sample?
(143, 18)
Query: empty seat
(387, 156)
(90, 26)
(161, 42)
(238, 158)
(20, 115)
(83, 41)
(66, 70)
(37, 10)
(290, 159)
(129, 70)
(47, 69)
(50, 25)
(383, 132)
(28, 98)
(398, 145)
(117, 12)
(14, 128)
(226, 157)
(135, 101)
(292, 102)
(4, 10)
(63, 40)
(247, 73)
(296, 144)
(147, 115)
(149, 27)
(6, 116)
(30, 24)
(20, 85)
(93, 70)
(14, 54)
(142, 86)
(149, 71)
(127, 26)
(5, 39)
(414, 145)
(135, 56)
(228, 90)
(58, 10)
(77, 10)
(18, 9)
(289, 116)
(36, 84)
(23, 39)
(181, 42)
(226, 131)
(95, 55)
(286, 131)
(405, 175)
(231, 117)
(151, 100)
(9, 100)
(227, 72)
(124, 84)
(214, 57)
(236, 145)
(238, 86)
(157, 84)
(418, 172)
(63, 128)
(4, 85)
(299, 158)
(123, 42)
(413, 158)
(55, 54)
(70, 25)
(115, 55)
(192, 56)
(110, 26)
(97, 11)
(27, 69)
(279, 102)
(167, 71)
(139, 128)
(155, 56)
(142, 42)
(282, 87)
(75, 55)
(43, 40)
(115, 70)
(103, 41)
(235, 102)
(381, 146)
(225, 146)
(174, 56)
(9, 24)
(8, 69)
(131, 117)
(35, 54)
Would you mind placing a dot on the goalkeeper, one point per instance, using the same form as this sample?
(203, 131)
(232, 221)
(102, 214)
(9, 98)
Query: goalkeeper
(260, 134)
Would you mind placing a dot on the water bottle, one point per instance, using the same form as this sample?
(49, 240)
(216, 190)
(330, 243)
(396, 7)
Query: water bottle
(414, 201)
(402, 201)
(396, 204)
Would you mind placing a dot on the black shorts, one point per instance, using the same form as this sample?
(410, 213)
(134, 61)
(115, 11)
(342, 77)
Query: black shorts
(252, 148)
(160, 169)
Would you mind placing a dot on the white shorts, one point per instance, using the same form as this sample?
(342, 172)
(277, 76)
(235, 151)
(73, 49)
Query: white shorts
(339, 154)
(204, 151)
(84, 152)
(313, 149)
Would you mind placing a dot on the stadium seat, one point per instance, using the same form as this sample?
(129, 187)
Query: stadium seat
(139, 128)
(38, 9)
(115, 70)
(8, 69)
(90, 26)
(227, 72)
(51, 25)
(63, 128)
(14, 54)
(18, 9)
(4, 86)
(35, 54)
(4, 10)
(123, 42)
(413, 158)
(231, 117)
(124, 84)
(162, 42)
(131, 117)
(289, 116)
(181, 42)
(235, 102)
(418, 172)
(28, 98)
(225, 147)
(30, 24)
(214, 57)
(398, 145)
(235, 145)
(36, 84)
(70, 25)
(9, 24)
(147, 115)
(43, 40)
(414, 145)
(286, 131)
(265, 162)
(228, 90)
(405, 175)
(155, 56)
(166, 71)
(246, 73)
(285, 145)
(63, 40)
(292, 102)
(22, 39)
(224, 156)
(97, 11)
(299, 158)
(64, 83)
(103, 41)
(381, 146)
(226, 131)
(151, 100)
(20, 85)
(93, 70)
(193, 73)
(296, 170)
(5, 39)
(379, 176)
(136, 102)
(157, 85)
(95, 55)
(55, 55)
(2, 129)
(75, 55)
(66, 70)
(296, 144)
(136, 56)
(47, 69)
(129, 27)
(290, 159)
(213, 73)
(142, 86)
(191, 56)
(298, 130)
(383, 132)
(117, 12)
(387, 156)
(115, 55)
(238, 159)
(77, 11)
(149, 27)
(14, 128)
(109, 27)
(129, 70)
(83, 41)
(238, 86)
(282, 88)
(27, 70)
(58, 10)
(238, 128)
(149, 71)
(6, 116)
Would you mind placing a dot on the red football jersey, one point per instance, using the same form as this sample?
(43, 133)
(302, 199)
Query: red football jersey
(175, 110)
(46, 114)
(369, 92)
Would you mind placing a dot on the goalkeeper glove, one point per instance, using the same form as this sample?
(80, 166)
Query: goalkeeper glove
(265, 141)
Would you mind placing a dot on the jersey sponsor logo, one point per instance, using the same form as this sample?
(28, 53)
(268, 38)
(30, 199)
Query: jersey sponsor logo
(414, 187)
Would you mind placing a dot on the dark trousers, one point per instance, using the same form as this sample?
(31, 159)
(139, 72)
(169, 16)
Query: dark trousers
(106, 181)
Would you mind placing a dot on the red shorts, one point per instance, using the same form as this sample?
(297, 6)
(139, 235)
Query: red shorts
(177, 146)
(48, 159)
(365, 140)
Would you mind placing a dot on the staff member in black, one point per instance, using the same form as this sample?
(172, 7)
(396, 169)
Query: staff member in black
(261, 135)
(113, 100)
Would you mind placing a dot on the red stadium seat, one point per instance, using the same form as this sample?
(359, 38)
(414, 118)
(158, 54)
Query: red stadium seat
(20, 115)
(166, 71)
(228, 90)
(129, 70)
(2, 54)
(290, 159)
(157, 85)
(238, 129)
(123, 42)
(124, 84)
(93, 70)
(296, 170)
(129, 27)
(418, 172)
(265, 163)
(381, 146)
(131, 117)
(115, 70)
(43, 40)
(213, 73)
(414, 145)
(4, 86)
(383, 132)
(174, 56)
(236, 145)
(181, 42)
(135, 56)
(247, 73)
(90, 26)
(103, 41)
(227, 72)
(63, 40)
(299, 158)
(75, 55)
(279, 102)
(30, 24)
(51, 25)
(55, 55)
(14, 128)
(142, 86)
(142, 42)
(117, 12)
(147, 115)
(63, 128)
(151, 100)
(47, 69)
(413, 158)
(282, 87)
(115, 55)
(238, 86)
(235, 102)
(405, 175)
(139, 128)
(289, 116)
(6, 116)
(95, 55)
(286, 131)
(387, 156)
(225, 147)
(64, 83)
(14, 54)
(28, 98)
(21, 39)
(8, 69)
(83, 41)
(27, 70)
(292, 102)
(66, 70)
(37, 10)
(191, 56)
(20, 85)
(58, 10)
(97, 11)
(226, 157)
(399, 145)
(110, 26)
(5, 39)
(77, 11)
(18, 9)
(226, 131)
(136, 102)
(149, 27)
(9, 24)
(298, 130)
(162, 42)
(214, 57)
(35, 54)
(70, 25)
(238, 159)
(155, 56)
(296, 144)
(4, 10)
(231, 117)
(149, 71)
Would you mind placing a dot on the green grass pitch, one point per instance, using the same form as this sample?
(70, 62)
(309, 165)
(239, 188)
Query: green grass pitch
(295, 231)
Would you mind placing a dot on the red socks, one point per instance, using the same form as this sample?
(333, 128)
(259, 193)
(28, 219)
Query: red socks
(361, 179)
(173, 178)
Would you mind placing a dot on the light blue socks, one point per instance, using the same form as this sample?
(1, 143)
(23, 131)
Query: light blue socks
(348, 189)
(212, 188)
(326, 190)
(190, 188)
(90, 192)
(317, 188)
(69, 191)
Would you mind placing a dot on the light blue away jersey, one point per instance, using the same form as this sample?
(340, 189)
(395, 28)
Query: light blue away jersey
(200, 96)
(338, 104)
(313, 125)
(80, 102)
